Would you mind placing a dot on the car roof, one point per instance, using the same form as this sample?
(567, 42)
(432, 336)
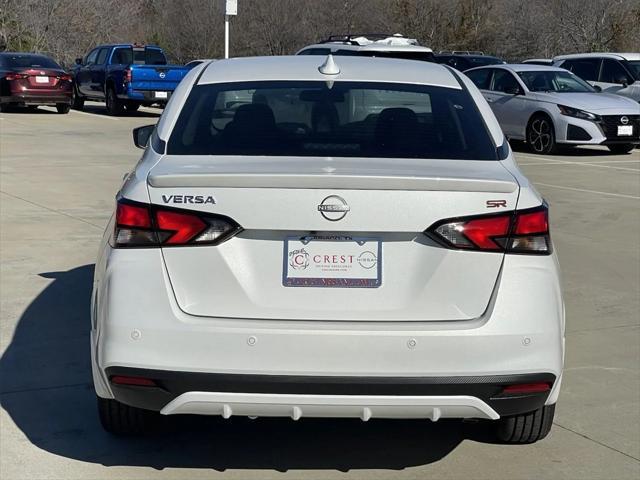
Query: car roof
(113, 45)
(305, 67)
(23, 54)
(464, 55)
(372, 47)
(617, 56)
(522, 67)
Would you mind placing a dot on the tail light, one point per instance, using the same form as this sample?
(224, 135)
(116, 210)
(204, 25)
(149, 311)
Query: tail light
(524, 231)
(65, 77)
(16, 76)
(127, 75)
(142, 225)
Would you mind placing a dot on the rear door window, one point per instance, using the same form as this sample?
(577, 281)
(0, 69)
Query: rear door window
(481, 78)
(587, 69)
(122, 55)
(345, 119)
(504, 81)
(614, 72)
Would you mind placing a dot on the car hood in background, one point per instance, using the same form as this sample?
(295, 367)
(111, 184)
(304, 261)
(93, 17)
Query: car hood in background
(592, 102)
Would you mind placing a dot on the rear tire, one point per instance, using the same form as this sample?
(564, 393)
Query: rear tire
(77, 101)
(526, 428)
(621, 148)
(114, 105)
(63, 107)
(132, 107)
(541, 135)
(121, 419)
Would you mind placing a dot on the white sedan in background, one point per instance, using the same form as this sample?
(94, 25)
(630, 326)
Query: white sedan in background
(549, 106)
(307, 236)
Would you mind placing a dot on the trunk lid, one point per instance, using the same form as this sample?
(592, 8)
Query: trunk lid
(390, 204)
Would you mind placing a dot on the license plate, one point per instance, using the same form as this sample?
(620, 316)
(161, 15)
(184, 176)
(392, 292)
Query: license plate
(161, 95)
(332, 262)
(625, 130)
(41, 79)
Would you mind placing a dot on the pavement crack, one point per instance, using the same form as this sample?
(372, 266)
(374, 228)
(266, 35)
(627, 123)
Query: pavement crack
(597, 442)
(51, 209)
(40, 389)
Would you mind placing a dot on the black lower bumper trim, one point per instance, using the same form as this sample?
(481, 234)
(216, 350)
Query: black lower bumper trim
(172, 384)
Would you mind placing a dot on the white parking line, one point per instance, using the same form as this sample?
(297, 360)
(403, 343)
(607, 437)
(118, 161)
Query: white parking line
(584, 190)
(95, 115)
(552, 161)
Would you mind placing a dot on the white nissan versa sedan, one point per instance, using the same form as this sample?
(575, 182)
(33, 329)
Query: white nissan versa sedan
(306, 237)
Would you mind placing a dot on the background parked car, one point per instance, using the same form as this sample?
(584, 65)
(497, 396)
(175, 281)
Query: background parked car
(125, 76)
(371, 45)
(465, 62)
(28, 79)
(538, 61)
(547, 106)
(612, 72)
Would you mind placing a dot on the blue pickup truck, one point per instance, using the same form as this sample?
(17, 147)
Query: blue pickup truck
(125, 76)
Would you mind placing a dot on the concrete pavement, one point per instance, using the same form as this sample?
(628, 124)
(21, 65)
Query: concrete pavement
(58, 177)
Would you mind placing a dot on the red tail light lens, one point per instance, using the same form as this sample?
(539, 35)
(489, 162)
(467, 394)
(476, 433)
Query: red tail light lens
(142, 225)
(16, 76)
(525, 231)
(127, 76)
(524, 388)
(65, 78)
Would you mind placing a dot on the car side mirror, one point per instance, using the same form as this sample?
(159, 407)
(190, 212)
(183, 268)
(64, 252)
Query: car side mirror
(597, 88)
(141, 135)
(513, 91)
(78, 61)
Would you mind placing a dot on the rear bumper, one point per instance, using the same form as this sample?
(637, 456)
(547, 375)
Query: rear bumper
(279, 395)
(29, 98)
(140, 329)
(146, 96)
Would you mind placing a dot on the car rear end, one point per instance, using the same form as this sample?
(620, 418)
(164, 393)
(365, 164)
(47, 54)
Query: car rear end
(34, 80)
(149, 78)
(298, 247)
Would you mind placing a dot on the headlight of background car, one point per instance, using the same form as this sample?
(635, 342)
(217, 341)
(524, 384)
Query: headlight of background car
(574, 112)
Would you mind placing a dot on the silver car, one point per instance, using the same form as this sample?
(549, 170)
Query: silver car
(548, 106)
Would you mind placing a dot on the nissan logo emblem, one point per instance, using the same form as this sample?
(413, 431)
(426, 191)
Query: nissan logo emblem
(624, 120)
(333, 208)
(162, 74)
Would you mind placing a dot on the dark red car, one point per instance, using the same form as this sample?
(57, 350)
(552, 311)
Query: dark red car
(28, 79)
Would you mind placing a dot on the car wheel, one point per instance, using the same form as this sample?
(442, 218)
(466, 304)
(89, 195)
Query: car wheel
(114, 105)
(77, 101)
(63, 107)
(132, 107)
(526, 428)
(540, 135)
(621, 148)
(121, 419)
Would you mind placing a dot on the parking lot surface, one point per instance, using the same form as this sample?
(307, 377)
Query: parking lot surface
(58, 177)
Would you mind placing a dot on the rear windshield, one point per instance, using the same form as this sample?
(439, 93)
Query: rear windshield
(138, 56)
(342, 119)
(26, 61)
(401, 54)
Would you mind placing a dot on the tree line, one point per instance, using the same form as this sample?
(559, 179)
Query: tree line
(190, 29)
